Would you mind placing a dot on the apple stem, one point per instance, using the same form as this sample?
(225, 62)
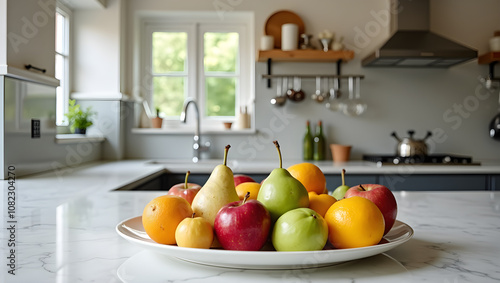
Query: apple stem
(247, 195)
(279, 152)
(186, 180)
(343, 177)
(192, 215)
(314, 216)
(225, 154)
(363, 189)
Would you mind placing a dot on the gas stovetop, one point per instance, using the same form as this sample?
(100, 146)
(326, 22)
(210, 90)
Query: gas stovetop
(433, 159)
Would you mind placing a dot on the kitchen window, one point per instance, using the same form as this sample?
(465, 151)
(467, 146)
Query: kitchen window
(62, 57)
(198, 55)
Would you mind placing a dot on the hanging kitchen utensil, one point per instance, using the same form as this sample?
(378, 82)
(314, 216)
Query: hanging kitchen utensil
(335, 103)
(325, 94)
(315, 95)
(279, 99)
(360, 105)
(409, 146)
(298, 94)
(333, 89)
(290, 90)
(349, 106)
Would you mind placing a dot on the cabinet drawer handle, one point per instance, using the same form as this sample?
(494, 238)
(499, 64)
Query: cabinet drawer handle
(29, 66)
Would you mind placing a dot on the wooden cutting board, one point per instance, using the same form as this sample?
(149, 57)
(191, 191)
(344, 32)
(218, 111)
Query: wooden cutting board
(276, 20)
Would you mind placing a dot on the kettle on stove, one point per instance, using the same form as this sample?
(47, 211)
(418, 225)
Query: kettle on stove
(410, 146)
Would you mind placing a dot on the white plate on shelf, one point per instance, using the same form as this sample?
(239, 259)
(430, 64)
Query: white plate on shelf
(133, 231)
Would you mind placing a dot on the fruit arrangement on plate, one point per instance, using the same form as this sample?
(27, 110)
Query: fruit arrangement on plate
(290, 210)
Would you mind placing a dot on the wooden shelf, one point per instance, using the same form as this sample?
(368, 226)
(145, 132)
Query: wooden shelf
(306, 55)
(488, 58)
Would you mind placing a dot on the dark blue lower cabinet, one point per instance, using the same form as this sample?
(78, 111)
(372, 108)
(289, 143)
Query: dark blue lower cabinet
(494, 182)
(421, 182)
(395, 182)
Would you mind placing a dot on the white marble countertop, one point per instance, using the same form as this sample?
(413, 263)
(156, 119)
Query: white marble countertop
(328, 167)
(65, 232)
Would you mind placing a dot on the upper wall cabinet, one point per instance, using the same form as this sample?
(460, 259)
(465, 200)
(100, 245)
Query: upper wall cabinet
(27, 45)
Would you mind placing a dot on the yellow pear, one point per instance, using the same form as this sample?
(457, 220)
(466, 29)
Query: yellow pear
(218, 191)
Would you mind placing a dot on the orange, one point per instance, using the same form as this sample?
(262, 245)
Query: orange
(162, 215)
(310, 176)
(252, 187)
(354, 222)
(320, 203)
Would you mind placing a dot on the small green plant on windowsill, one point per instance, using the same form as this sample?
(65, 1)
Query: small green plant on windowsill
(79, 120)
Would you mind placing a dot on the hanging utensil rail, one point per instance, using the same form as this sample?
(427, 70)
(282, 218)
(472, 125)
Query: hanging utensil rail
(313, 76)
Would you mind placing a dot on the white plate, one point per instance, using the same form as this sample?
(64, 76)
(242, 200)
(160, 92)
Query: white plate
(399, 234)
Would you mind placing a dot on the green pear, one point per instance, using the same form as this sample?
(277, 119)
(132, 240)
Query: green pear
(218, 191)
(340, 191)
(281, 192)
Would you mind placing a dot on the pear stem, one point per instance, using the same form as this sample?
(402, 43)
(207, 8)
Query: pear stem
(279, 152)
(186, 180)
(247, 195)
(363, 189)
(343, 177)
(225, 154)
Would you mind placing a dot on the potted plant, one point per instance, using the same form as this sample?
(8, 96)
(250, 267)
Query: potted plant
(157, 121)
(79, 119)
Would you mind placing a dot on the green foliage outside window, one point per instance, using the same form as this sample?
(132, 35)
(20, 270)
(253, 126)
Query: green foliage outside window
(170, 72)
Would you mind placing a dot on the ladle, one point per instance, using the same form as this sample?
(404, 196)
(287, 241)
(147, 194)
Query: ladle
(279, 100)
(298, 94)
(354, 106)
(335, 103)
(315, 95)
(325, 94)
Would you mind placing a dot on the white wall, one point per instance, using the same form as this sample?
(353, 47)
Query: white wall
(98, 68)
(96, 48)
(398, 99)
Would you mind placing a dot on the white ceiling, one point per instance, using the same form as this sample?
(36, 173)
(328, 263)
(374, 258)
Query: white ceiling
(85, 4)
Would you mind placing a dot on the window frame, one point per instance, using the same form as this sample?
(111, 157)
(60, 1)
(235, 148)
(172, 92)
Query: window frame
(196, 23)
(65, 80)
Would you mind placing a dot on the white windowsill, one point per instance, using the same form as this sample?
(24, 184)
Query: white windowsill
(179, 131)
(76, 138)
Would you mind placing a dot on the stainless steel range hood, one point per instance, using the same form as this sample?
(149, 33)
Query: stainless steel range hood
(414, 45)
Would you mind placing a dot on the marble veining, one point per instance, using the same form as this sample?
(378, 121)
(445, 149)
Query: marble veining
(65, 232)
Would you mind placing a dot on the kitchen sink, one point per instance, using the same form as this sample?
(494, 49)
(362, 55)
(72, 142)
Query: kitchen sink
(255, 166)
(204, 163)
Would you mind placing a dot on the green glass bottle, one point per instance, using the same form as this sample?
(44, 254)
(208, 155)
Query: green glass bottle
(308, 143)
(319, 143)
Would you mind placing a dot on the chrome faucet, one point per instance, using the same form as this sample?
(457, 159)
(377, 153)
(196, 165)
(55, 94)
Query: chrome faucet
(197, 146)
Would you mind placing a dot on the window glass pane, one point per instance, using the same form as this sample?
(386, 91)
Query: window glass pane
(59, 67)
(220, 96)
(60, 22)
(168, 95)
(169, 52)
(60, 98)
(221, 51)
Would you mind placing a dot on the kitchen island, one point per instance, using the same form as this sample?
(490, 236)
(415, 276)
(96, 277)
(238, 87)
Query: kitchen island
(63, 226)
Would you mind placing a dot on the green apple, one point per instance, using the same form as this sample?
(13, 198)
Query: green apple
(300, 229)
(340, 191)
(281, 192)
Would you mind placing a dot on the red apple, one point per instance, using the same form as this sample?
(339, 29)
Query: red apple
(382, 197)
(243, 225)
(185, 190)
(240, 178)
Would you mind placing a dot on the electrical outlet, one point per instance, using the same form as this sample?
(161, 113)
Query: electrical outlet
(35, 128)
